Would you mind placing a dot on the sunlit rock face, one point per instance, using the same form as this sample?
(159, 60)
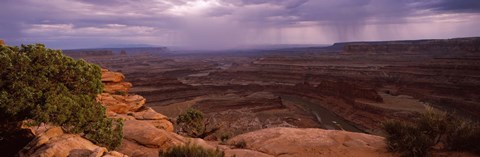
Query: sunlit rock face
(113, 82)
(126, 106)
(54, 142)
(121, 104)
(145, 131)
(312, 142)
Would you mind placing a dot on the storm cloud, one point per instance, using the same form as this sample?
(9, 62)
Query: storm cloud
(218, 24)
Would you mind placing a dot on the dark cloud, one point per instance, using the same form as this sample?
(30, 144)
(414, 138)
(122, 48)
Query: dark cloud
(464, 6)
(226, 23)
(288, 4)
(105, 2)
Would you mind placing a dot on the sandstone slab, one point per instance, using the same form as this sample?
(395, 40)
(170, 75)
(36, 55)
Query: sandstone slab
(131, 148)
(121, 104)
(161, 124)
(116, 88)
(295, 142)
(54, 143)
(110, 76)
(149, 114)
(245, 153)
(147, 135)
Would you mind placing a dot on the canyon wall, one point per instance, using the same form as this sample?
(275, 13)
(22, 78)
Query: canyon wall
(457, 45)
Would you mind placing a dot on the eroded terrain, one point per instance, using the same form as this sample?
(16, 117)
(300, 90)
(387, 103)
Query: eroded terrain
(354, 88)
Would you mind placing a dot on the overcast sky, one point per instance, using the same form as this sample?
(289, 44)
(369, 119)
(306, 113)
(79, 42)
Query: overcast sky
(217, 24)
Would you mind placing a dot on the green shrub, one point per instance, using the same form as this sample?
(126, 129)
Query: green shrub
(431, 128)
(44, 85)
(191, 150)
(193, 123)
(224, 137)
(106, 133)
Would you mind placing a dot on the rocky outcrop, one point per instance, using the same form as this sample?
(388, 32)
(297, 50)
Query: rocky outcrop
(146, 132)
(53, 142)
(156, 119)
(2, 42)
(121, 103)
(113, 82)
(110, 76)
(117, 88)
(142, 138)
(127, 106)
(294, 142)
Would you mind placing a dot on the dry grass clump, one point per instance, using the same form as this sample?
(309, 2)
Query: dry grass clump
(432, 128)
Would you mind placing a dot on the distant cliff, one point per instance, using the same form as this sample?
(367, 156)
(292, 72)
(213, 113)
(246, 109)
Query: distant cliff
(434, 46)
(83, 53)
(78, 53)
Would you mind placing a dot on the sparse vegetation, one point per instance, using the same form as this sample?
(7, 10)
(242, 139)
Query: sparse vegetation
(406, 138)
(193, 123)
(224, 136)
(45, 86)
(191, 150)
(240, 144)
(464, 135)
(120, 93)
(431, 129)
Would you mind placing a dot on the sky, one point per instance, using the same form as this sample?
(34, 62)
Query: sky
(225, 24)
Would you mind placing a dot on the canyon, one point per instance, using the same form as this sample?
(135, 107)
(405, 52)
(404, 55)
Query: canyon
(348, 86)
(314, 101)
(147, 132)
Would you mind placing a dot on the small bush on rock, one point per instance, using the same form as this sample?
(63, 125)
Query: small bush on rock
(45, 86)
(432, 128)
(191, 150)
(193, 123)
(224, 137)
